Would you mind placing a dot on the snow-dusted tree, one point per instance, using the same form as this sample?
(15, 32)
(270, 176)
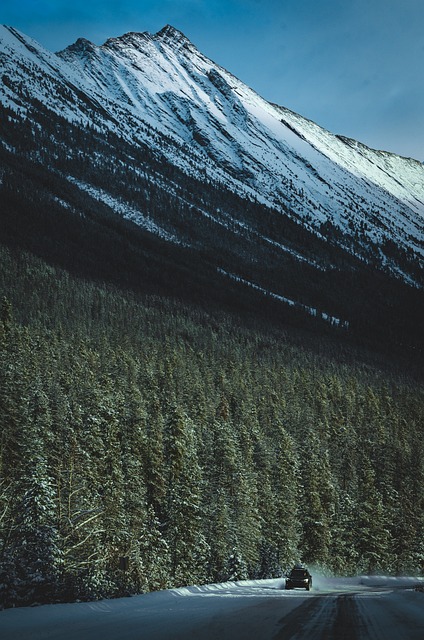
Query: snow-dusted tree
(37, 546)
(284, 535)
(372, 534)
(269, 563)
(217, 529)
(8, 577)
(236, 567)
(246, 518)
(318, 495)
(344, 554)
(149, 557)
(222, 476)
(154, 471)
(33, 550)
(183, 518)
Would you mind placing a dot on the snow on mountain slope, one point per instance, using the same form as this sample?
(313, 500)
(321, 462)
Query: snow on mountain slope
(160, 90)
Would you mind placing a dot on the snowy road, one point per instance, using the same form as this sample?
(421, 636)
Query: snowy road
(336, 609)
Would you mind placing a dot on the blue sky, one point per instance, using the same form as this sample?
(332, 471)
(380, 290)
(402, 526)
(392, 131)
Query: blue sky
(355, 67)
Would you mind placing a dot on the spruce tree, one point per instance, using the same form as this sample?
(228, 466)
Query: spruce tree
(372, 534)
(183, 516)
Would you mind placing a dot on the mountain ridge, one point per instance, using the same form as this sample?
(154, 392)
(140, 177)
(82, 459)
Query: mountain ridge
(150, 130)
(243, 102)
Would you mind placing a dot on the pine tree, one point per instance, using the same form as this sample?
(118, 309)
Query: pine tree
(372, 535)
(183, 517)
(155, 479)
(344, 553)
(29, 553)
(236, 567)
(219, 533)
(286, 532)
(317, 501)
(6, 317)
(32, 548)
(152, 556)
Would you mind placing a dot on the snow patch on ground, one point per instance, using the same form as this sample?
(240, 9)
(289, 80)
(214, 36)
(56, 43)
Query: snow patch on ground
(336, 322)
(125, 210)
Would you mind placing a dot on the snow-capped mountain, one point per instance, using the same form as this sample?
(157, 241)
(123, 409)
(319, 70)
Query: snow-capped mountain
(159, 89)
(155, 132)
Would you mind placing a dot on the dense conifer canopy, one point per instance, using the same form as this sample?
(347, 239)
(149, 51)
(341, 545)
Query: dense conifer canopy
(196, 445)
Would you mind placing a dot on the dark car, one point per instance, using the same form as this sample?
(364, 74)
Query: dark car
(299, 577)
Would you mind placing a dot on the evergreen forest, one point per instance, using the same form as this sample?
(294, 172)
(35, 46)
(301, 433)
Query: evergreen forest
(147, 442)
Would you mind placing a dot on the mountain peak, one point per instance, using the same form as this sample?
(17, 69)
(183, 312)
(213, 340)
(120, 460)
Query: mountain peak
(82, 45)
(133, 39)
(171, 35)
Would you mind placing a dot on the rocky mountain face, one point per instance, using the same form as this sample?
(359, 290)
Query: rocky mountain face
(147, 129)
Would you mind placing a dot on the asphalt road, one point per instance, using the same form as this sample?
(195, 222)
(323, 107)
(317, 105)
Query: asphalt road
(374, 615)
(368, 614)
(335, 609)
